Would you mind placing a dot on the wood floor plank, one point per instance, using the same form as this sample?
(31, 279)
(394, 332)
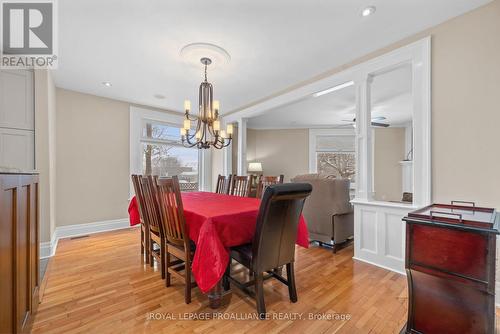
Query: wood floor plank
(100, 284)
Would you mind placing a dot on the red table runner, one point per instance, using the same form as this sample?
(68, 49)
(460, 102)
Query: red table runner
(216, 222)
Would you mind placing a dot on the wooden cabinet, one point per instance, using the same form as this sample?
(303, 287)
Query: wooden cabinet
(19, 251)
(450, 266)
(17, 119)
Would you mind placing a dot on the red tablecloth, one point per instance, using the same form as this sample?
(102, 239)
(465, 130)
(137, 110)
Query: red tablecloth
(216, 222)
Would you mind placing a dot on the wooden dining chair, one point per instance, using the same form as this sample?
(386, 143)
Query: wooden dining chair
(156, 235)
(177, 243)
(273, 244)
(136, 181)
(266, 181)
(223, 184)
(241, 185)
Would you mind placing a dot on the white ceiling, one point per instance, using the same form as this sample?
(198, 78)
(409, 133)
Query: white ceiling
(390, 94)
(273, 44)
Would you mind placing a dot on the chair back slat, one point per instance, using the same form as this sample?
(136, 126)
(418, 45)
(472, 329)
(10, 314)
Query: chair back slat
(266, 181)
(241, 185)
(277, 223)
(223, 184)
(172, 211)
(150, 203)
(136, 181)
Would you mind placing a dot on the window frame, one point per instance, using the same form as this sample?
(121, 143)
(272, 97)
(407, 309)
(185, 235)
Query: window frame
(138, 117)
(313, 138)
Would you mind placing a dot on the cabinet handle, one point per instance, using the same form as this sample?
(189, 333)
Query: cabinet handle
(459, 215)
(463, 202)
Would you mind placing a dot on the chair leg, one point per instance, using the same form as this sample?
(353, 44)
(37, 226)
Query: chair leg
(162, 259)
(225, 280)
(259, 295)
(151, 258)
(335, 248)
(142, 241)
(167, 265)
(187, 278)
(290, 275)
(146, 246)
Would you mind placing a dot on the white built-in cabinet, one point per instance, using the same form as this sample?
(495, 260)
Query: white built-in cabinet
(17, 119)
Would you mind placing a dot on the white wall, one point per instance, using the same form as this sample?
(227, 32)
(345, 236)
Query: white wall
(45, 150)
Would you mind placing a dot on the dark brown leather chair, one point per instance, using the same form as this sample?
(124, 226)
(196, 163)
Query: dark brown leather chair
(273, 244)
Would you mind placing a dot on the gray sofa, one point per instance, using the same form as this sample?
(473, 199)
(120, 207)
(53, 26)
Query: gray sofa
(328, 211)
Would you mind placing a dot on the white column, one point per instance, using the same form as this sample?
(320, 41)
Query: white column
(242, 146)
(364, 161)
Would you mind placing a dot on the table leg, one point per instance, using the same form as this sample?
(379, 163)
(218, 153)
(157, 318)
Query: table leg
(215, 296)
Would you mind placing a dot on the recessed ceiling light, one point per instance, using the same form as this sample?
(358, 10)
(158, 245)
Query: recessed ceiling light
(368, 11)
(107, 84)
(159, 96)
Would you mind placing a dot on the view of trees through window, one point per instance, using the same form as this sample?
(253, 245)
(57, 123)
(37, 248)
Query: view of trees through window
(164, 155)
(340, 164)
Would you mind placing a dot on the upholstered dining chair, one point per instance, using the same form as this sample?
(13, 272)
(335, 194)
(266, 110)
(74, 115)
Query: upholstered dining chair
(136, 181)
(273, 244)
(266, 181)
(223, 184)
(241, 185)
(177, 241)
(148, 203)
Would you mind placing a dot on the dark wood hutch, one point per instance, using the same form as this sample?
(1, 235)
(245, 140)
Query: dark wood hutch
(450, 266)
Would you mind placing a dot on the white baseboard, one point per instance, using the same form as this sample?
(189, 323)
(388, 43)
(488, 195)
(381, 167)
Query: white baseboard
(48, 249)
(380, 266)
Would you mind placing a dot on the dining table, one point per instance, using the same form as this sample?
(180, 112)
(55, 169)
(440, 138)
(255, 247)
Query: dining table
(215, 222)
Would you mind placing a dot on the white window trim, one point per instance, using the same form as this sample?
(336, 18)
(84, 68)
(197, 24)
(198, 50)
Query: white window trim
(137, 116)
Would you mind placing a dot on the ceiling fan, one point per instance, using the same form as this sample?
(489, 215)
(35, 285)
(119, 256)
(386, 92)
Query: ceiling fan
(376, 122)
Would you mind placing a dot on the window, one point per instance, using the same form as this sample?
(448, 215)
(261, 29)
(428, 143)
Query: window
(156, 148)
(163, 154)
(332, 152)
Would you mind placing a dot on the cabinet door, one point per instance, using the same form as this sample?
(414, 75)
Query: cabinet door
(7, 253)
(17, 108)
(17, 149)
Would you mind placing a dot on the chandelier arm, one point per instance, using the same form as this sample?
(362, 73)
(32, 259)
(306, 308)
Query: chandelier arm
(191, 118)
(189, 143)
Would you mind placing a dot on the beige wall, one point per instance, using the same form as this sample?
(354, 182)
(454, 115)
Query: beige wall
(465, 108)
(45, 150)
(279, 151)
(92, 158)
(389, 146)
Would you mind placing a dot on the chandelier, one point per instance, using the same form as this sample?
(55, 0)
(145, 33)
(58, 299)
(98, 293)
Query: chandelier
(207, 132)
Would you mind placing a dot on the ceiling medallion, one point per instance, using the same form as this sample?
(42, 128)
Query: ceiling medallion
(194, 51)
(207, 132)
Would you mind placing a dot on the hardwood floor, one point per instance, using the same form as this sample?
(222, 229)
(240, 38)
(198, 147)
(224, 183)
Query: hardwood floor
(99, 284)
